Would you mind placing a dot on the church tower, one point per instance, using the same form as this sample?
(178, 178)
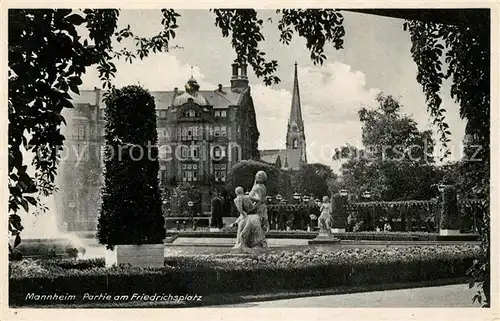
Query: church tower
(295, 136)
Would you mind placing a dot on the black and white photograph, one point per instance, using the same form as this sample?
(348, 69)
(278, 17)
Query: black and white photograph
(249, 158)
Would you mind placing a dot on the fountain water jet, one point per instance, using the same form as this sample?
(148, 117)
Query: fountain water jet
(43, 229)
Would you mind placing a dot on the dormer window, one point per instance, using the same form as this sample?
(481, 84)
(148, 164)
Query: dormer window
(190, 113)
(220, 114)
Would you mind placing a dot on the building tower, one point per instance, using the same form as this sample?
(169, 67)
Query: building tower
(295, 136)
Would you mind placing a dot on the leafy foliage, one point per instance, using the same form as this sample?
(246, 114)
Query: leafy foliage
(396, 157)
(339, 211)
(312, 179)
(457, 46)
(185, 193)
(317, 26)
(243, 174)
(449, 214)
(465, 50)
(48, 55)
(131, 201)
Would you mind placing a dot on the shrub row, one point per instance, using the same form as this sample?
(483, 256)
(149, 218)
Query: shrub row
(314, 268)
(358, 236)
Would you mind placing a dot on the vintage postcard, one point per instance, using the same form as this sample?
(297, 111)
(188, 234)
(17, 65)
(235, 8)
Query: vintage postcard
(193, 161)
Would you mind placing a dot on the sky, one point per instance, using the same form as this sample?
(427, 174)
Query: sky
(375, 58)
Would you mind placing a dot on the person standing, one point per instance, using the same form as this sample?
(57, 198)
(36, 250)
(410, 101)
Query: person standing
(216, 211)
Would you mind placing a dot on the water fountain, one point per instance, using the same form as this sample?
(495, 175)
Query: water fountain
(42, 236)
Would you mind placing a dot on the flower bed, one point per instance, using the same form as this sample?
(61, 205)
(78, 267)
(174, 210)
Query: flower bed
(313, 268)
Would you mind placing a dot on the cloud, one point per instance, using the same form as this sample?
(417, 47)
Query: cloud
(331, 96)
(158, 72)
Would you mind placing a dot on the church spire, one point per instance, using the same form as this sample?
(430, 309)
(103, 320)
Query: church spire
(295, 136)
(296, 110)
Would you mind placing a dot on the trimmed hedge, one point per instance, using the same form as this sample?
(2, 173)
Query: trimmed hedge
(243, 174)
(450, 211)
(313, 268)
(131, 200)
(354, 236)
(339, 213)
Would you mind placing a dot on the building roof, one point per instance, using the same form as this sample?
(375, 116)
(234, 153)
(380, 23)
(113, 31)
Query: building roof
(296, 110)
(197, 98)
(272, 155)
(164, 99)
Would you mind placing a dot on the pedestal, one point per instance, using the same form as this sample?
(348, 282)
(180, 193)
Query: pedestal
(214, 229)
(338, 230)
(324, 238)
(146, 255)
(449, 232)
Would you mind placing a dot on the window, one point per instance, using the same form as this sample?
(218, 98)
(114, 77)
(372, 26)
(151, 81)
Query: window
(220, 131)
(79, 132)
(189, 172)
(184, 151)
(190, 133)
(195, 151)
(220, 172)
(162, 132)
(220, 114)
(161, 114)
(219, 152)
(295, 143)
(162, 152)
(190, 113)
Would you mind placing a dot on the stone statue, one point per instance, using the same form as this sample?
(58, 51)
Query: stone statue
(325, 219)
(252, 228)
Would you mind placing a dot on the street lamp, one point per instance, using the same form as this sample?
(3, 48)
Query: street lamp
(305, 198)
(318, 202)
(269, 199)
(279, 198)
(296, 198)
(343, 192)
(441, 188)
(190, 205)
(367, 194)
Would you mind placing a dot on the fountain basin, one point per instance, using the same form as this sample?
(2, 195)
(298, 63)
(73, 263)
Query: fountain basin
(49, 248)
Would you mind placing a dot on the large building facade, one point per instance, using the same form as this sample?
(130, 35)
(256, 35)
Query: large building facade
(201, 134)
(294, 155)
